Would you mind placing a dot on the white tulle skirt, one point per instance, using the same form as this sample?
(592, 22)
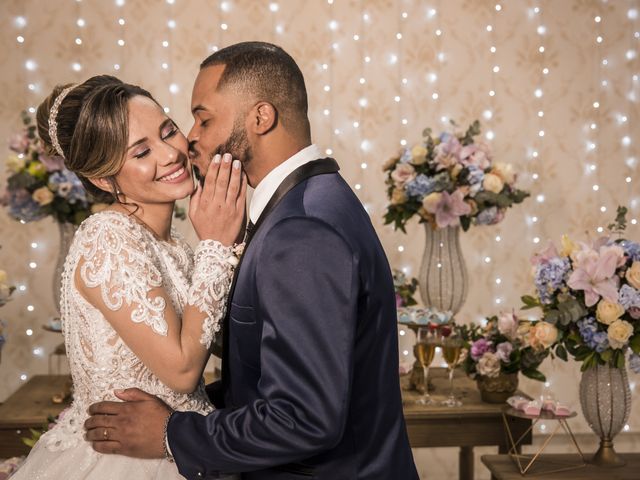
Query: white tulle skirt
(81, 462)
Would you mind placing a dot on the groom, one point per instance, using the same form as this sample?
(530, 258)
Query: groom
(310, 363)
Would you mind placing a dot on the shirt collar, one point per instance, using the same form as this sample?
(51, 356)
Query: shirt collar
(269, 184)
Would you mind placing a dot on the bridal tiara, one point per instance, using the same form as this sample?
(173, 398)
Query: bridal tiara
(53, 125)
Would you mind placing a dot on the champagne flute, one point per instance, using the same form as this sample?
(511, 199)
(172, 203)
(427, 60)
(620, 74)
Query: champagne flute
(451, 350)
(425, 351)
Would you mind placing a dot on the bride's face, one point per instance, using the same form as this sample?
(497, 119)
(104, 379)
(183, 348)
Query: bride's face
(156, 167)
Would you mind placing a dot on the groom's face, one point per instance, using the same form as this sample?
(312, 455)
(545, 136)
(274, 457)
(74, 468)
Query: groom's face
(219, 121)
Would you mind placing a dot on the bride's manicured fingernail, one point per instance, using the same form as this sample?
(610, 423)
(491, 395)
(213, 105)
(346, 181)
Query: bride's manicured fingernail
(227, 157)
(216, 158)
(236, 164)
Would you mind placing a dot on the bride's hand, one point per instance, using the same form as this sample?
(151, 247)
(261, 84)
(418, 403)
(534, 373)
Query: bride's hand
(217, 209)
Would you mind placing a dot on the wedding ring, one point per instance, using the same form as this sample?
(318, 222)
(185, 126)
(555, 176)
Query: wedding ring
(105, 434)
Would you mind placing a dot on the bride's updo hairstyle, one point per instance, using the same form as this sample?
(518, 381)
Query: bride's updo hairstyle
(92, 129)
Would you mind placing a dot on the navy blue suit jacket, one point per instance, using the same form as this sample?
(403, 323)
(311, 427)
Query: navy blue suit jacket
(313, 388)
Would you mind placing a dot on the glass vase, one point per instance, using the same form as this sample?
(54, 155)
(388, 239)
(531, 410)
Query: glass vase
(443, 277)
(605, 398)
(67, 231)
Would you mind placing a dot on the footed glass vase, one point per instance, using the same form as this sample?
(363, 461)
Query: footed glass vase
(443, 277)
(605, 398)
(67, 231)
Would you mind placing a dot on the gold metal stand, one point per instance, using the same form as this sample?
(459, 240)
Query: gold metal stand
(526, 462)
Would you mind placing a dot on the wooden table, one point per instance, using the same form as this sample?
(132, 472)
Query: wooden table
(474, 424)
(28, 408)
(503, 468)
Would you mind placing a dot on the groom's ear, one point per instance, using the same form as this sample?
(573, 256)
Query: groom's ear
(264, 118)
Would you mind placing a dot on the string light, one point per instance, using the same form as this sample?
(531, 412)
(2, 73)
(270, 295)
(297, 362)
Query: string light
(328, 87)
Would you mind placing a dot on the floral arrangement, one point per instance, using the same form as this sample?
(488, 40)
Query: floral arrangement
(39, 185)
(405, 289)
(507, 344)
(449, 180)
(591, 292)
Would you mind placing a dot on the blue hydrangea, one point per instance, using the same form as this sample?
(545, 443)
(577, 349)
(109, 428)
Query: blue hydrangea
(487, 216)
(634, 362)
(406, 156)
(420, 186)
(67, 185)
(631, 249)
(628, 297)
(550, 276)
(476, 175)
(23, 207)
(594, 339)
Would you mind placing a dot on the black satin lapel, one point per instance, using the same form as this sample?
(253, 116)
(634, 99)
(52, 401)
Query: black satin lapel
(308, 170)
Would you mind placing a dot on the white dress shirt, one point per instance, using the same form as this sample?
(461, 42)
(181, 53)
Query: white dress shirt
(269, 184)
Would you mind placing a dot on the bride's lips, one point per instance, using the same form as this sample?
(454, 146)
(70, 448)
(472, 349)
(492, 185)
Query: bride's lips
(177, 175)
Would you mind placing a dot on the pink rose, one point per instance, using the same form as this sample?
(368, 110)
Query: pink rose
(402, 174)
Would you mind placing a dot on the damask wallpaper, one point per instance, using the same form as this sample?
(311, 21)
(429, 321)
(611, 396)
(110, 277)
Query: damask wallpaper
(554, 82)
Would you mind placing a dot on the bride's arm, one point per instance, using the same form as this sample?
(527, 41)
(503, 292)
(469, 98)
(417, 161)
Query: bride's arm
(118, 277)
(122, 282)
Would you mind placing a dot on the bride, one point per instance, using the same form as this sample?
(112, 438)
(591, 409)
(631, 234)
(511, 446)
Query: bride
(139, 308)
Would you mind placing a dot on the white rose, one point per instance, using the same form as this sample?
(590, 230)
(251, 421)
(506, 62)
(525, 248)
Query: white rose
(430, 202)
(504, 171)
(418, 155)
(608, 312)
(508, 325)
(492, 183)
(633, 275)
(43, 196)
(542, 335)
(488, 365)
(619, 333)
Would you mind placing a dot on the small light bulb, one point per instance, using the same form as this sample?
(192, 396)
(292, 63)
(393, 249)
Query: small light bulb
(29, 332)
(80, 22)
(20, 39)
(174, 88)
(121, 42)
(78, 41)
(273, 7)
(121, 21)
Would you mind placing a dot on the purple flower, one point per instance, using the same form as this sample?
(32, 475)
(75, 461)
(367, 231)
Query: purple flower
(420, 186)
(67, 185)
(634, 362)
(479, 348)
(594, 339)
(19, 142)
(503, 350)
(550, 275)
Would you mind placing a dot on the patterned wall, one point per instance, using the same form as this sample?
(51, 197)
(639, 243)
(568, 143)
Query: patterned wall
(377, 71)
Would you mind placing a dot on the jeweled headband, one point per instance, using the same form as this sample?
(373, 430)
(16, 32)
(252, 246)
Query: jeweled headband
(53, 125)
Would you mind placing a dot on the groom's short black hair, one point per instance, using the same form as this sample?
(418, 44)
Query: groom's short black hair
(265, 72)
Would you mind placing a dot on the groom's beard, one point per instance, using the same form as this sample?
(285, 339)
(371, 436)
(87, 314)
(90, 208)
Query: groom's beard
(237, 145)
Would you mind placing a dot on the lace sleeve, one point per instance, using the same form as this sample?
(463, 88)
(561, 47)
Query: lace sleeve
(115, 258)
(213, 271)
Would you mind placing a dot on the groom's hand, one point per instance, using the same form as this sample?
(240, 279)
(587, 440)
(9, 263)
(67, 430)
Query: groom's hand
(134, 427)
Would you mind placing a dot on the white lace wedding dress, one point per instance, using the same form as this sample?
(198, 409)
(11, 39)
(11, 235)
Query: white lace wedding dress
(100, 361)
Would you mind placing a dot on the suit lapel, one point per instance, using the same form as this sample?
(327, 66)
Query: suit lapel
(308, 170)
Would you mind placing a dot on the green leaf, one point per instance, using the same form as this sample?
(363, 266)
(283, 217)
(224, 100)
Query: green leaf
(534, 374)
(561, 352)
(634, 343)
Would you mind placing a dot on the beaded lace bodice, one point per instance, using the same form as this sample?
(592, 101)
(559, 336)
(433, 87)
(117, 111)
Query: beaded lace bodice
(99, 359)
